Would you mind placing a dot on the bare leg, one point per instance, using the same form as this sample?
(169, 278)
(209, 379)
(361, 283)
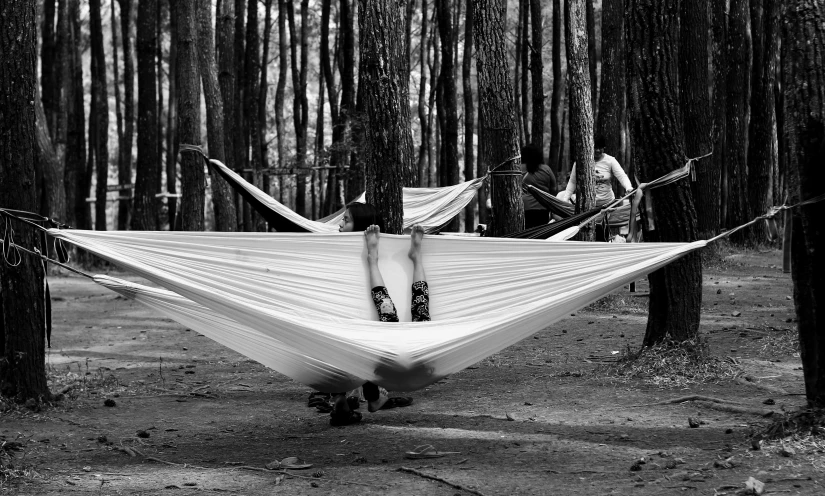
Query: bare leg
(416, 236)
(371, 237)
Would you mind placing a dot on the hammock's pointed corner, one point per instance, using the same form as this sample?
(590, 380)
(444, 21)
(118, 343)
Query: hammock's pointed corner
(405, 375)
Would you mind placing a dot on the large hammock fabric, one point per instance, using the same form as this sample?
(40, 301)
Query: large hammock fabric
(300, 303)
(430, 208)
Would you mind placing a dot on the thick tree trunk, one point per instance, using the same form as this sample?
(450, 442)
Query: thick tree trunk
(224, 37)
(98, 116)
(77, 209)
(222, 197)
(193, 182)
(695, 79)
(558, 92)
(388, 140)
(537, 73)
(145, 205)
(657, 141)
(581, 114)
(738, 113)
(450, 173)
(592, 57)
(711, 208)
(469, 114)
(22, 298)
(803, 45)
(761, 140)
(612, 95)
(497, 123)
(125, 146)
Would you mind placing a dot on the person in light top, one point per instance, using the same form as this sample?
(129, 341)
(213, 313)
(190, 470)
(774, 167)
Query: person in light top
(605, 169)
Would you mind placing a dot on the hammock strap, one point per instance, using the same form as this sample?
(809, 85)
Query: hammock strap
(37, 253)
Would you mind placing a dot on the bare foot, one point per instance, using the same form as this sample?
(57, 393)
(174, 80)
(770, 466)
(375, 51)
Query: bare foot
(416, 236)
(371, 236)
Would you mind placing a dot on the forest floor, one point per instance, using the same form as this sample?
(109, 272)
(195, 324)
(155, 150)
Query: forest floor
(553, 414)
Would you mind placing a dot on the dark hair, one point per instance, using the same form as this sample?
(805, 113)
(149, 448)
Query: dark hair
(599, 142)
(363, 216)
(531, 157)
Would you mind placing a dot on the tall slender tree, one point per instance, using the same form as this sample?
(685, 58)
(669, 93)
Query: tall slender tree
(145, 206)
(469, 113)
(348, 107)
(657, 139)
(537, 73)
(524, 24)
(592, 57)
(450, 173)
(280, 89)
(558, 92)
(222, 197)
(252, 79)
(193, 182)
(385, 83)
(423, 58)
(497, 122)
(22, 299)
(125, 146)
(710, 209)
(761, 140)
(738, 111)
(77, 209)
(581, 114)
(50, 67)
(803, 46)
(172, 141)
(612, 123)
(98, 116)
(224, 38)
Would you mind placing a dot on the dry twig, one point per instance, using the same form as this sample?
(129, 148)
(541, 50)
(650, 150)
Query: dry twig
(439, 479)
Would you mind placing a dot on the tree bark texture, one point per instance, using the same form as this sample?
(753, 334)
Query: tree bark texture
(469, 114)
(222, 196)
(125, 146)
(50, 67)
(581, 114)
(77, 209)
(558, 91)
(145, 206)
(450, 173)
(351, 101)
(193, 181)
(657, 139)
(239, 142)
(224, 37)
(98, 116)
(761, 140)
(611, 123)
(172, 138)
(499, 148)
(22, 303)
(280, 89)
(251, 93)
(739, 89)
(123, 205)
(592, 57)
(423, 57)
(803, 45)
(712, 208)
(537, 73)
(694, 53)
(524, 27)
(51, 200)
(388, 150)
(65, 50)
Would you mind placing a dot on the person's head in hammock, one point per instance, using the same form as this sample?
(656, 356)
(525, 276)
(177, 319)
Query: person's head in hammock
(358, 217)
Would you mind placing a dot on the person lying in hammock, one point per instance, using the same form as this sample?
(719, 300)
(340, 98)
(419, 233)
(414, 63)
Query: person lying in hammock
(364, 217)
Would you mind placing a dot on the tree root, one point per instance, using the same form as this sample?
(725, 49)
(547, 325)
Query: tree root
(694, 397)
(439, 479)
(735, 409)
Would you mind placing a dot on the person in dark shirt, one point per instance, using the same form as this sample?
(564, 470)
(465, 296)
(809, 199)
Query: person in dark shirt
(540, 176)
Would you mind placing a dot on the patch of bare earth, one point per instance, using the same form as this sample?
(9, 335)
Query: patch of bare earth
(554, 414)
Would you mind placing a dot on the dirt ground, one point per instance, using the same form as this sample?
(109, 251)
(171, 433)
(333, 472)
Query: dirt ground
(546, 416)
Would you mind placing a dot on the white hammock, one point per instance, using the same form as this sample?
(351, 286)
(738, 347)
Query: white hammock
(300, 303)
(430, 208)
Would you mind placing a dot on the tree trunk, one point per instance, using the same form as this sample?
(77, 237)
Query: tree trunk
(65, 50)
(22, 298)
(239, 141)
(222, 197)
(497, 123)
(761, 140)
(123, 205)
(77, 209)
(98, 116)
(711, 208)
(738, 112)
(612, 96)
(581, 115)
(449, 131)
(50, 68)
(469, 114)
(537, 73)
(432, 143)
(388, 142)
(424, 57)
(145, 205)
(125, 147)
(172, 141)
(224, 37)
(193, 182)
(159, 73)
(51, 200)
(695, 101)
(251, 92)
(558, 91)
(524, 8)
(350, 106)
(592, 57)
(803, 45)
(657, 142)
(280, 125)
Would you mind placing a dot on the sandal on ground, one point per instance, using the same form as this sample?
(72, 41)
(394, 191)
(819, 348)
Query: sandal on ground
(427, 451)
(348, 418)
(397, 402)
(316, 396)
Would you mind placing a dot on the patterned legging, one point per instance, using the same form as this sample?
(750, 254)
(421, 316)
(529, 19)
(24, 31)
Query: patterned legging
(419, 307)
